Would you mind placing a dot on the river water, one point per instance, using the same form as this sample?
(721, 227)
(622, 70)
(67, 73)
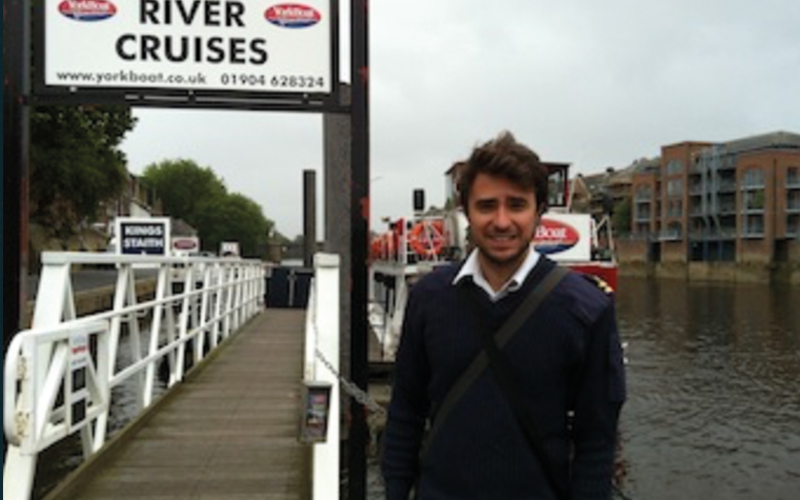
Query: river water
(713, 408)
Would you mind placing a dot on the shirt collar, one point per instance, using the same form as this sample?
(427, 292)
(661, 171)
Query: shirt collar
(472, 268)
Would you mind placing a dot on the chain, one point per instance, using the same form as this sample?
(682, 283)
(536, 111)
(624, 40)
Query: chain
(351, 388)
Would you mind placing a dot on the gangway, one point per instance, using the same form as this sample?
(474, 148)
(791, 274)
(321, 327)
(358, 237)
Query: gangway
(61, 375)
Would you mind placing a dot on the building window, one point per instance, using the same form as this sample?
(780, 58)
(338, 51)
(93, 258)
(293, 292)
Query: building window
(674, 167)
(793, 177)
(793, 226)
(675, 188)
(753, 178)
(754, 200)
(753, 226)
(793, 201)
(644, 193)
(675, 208)
(673, 232)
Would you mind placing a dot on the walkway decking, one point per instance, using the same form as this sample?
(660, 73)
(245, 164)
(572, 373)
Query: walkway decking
(229, 432)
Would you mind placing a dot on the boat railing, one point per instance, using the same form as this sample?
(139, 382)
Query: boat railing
(61, 375)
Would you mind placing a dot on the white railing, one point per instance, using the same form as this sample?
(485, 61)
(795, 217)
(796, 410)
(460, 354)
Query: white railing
(321, 364)
(59, 375)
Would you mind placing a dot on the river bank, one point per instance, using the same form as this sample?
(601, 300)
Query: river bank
(784, 273)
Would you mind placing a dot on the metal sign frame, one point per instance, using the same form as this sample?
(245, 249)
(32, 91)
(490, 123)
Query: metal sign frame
(23, 96)
(186, 98)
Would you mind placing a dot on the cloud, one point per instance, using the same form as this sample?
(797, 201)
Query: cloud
(593, 83)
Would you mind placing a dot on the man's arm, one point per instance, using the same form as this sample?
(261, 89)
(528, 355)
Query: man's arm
(600, 398)
(409, 406)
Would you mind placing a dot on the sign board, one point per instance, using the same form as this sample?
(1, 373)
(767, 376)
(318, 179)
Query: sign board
(77, 380)
(229, 249)
(565, 237)
(240, 46)
(142, 235)
(316, 409)
(184, 245)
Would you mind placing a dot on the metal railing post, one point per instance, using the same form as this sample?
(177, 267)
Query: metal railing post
(326, 318)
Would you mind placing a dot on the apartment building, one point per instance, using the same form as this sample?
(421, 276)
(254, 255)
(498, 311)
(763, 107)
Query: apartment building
(736, 201)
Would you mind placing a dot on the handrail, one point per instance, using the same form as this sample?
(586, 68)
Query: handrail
(53, 357)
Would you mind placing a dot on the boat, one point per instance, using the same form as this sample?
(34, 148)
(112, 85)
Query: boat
(411, 247)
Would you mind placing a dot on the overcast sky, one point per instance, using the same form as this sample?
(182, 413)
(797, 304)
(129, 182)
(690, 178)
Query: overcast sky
(594, 83)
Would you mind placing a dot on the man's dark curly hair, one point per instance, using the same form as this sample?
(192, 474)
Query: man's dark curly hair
(506, 158)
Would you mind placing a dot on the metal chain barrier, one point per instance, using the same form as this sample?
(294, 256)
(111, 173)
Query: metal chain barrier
(360, 395)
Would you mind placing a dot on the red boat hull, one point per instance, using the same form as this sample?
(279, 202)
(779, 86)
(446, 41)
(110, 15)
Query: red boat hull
(606, 271)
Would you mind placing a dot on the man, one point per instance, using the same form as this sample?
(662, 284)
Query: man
(566, 359)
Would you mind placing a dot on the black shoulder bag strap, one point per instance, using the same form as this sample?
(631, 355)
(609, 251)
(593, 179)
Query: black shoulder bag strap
(489, 356)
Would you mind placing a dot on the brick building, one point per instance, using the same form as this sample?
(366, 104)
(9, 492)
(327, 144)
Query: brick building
(736, 201)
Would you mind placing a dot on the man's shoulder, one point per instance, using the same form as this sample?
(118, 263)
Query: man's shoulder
(588, 295)
(440, 278)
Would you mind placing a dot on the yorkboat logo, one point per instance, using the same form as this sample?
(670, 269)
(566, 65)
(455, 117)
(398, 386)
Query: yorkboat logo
(554, 237)
(87, 10)
(292, 15)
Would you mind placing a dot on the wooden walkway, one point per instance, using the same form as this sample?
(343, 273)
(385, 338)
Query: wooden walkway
(229, 432)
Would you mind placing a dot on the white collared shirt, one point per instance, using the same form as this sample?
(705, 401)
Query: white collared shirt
(472, 268)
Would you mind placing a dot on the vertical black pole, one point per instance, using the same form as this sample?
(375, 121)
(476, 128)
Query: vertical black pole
(359, 209)
(309, 217)
(16, 88)
(16, 85)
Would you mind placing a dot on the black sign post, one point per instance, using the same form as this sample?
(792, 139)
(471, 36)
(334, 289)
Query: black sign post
(16, 89)
(359, 243)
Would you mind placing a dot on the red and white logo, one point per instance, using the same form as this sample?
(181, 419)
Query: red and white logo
(292, 15)
(87, 10)
(554, 237)
(185, 244)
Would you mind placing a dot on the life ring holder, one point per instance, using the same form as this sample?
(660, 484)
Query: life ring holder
(427, 238)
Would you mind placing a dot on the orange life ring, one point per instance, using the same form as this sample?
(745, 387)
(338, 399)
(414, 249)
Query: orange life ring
(427, 238)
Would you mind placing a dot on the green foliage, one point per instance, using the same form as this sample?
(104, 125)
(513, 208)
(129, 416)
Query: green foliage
(196, 195)
(75, 162)
(623, 216)
(183, 186)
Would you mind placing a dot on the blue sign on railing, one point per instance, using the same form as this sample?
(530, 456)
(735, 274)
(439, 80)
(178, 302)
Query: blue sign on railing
(143, 236)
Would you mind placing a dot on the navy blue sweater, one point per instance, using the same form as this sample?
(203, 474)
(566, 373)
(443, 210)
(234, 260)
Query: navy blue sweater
(567, 356)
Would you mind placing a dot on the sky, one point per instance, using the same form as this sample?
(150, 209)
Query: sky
(594, 83)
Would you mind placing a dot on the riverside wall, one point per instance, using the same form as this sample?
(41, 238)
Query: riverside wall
(635, 261)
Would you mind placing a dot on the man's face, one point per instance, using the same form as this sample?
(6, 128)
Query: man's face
(502, 217)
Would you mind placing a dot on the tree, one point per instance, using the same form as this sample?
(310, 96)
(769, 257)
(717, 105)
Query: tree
(75, 163)
(183, 185)
(234, 217)
(196, 195)
(622, 217)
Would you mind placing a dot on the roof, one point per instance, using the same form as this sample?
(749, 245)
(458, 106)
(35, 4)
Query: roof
(773, 140)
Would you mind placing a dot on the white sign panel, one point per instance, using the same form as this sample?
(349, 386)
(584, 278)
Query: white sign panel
(184, 245)
(229, 249)
(78, 378)
(142, 235)
(215, 45)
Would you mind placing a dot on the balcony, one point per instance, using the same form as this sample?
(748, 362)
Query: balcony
(727, 208)
(696, 188)
(670, 235)
(713, 235)
(753, 234)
